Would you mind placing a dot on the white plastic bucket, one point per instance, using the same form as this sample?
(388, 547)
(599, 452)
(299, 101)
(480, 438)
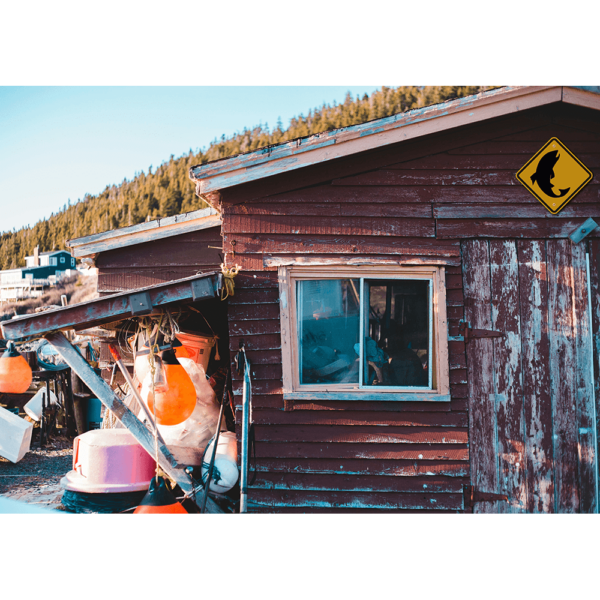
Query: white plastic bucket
(34, 407)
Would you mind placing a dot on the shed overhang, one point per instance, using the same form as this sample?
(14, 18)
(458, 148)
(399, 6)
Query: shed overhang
(113, 308)
(339, 143)
(91, 245)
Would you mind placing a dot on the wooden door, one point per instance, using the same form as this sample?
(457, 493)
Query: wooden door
(532, 412)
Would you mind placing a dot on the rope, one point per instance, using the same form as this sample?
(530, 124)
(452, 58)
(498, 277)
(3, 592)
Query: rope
(152, 372)
(228, 275)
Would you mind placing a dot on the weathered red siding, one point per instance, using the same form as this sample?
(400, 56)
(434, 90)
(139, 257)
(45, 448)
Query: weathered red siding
(162, 260)
(419, 198)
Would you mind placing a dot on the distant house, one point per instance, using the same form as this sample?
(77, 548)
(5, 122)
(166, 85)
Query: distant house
(42, 270)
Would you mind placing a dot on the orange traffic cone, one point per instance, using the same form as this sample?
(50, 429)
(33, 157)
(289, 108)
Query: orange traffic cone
(159, 500)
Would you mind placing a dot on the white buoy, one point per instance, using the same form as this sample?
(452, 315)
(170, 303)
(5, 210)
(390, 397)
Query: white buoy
(225, 470)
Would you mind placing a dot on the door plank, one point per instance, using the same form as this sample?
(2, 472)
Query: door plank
(504, 274)
(595, 298)
(586, 421)
(533, 289)
(562, 376)
(480, 370)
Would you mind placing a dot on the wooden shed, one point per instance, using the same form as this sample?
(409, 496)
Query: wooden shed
(423, 332)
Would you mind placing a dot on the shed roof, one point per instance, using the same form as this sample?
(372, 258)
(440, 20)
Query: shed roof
(148, 231)
(113, 308)
(330, 145)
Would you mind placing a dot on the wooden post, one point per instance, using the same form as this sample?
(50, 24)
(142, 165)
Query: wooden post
(110, 400)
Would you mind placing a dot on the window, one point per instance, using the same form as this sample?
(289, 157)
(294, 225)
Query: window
(53, 261)
(62, 259)
(72, 262)
(361, 333)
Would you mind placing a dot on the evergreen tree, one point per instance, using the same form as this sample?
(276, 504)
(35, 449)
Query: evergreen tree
(169, 191)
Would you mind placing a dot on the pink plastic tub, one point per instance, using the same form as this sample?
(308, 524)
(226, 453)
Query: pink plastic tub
(108, 461)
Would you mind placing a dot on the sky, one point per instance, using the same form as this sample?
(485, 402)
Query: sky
(59, 143)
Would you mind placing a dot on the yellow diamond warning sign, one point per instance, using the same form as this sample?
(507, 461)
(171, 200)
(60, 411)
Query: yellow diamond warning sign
(554, 175)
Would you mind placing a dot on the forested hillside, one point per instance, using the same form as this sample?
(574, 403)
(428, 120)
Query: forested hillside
(169, 191)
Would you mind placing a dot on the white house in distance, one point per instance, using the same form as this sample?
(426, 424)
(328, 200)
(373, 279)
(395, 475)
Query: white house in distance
(42, 270)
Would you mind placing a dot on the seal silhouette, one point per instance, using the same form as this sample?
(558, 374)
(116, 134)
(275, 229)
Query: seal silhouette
(545, 173)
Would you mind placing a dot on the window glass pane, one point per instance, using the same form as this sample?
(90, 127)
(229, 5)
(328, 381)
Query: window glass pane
(396, 333)
(328, 330)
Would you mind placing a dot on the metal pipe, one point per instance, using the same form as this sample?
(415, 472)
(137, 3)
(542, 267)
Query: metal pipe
(214, 452)
(246, 407)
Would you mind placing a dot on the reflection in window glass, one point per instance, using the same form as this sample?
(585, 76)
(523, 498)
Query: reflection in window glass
(328, 330)
(396, 333)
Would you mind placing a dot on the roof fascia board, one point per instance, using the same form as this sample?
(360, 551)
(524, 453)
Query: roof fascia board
(144, 232)
(579, 97)
(366, 136)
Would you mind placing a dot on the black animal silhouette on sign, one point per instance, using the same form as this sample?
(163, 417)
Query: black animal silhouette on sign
(545, 173)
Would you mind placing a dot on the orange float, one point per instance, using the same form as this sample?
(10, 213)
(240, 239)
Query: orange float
(159, 500)
(15, 372)
(176, 398)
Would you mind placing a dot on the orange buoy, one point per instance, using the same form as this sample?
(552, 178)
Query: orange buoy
(176, 400)
(159, 500)
(15, 372)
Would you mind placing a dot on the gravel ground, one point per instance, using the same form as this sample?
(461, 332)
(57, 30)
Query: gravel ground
(35, 479)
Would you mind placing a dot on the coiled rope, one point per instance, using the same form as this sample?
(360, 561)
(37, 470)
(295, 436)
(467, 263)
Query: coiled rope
(228, 275)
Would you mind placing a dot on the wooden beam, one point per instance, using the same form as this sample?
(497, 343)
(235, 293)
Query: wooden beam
(110, 400)
(282, 261)
(109, 309)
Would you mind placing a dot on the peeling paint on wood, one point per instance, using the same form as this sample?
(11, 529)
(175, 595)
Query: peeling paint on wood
(381, 501)
(512, 466)
(480, 363)
(280, 261)
(365, 434)
(354, 466)
(362, 483)
(349, 417)
(533, 289)
(508, 228)
(509, 211)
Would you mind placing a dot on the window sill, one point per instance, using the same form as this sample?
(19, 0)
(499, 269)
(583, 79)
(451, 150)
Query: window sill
(368, 396)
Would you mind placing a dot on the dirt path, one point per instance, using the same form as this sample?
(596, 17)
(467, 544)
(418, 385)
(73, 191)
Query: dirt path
(35, 479)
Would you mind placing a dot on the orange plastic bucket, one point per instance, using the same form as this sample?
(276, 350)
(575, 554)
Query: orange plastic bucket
(199, 347)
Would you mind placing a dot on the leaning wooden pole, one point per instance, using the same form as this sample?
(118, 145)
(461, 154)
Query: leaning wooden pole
(113, 403)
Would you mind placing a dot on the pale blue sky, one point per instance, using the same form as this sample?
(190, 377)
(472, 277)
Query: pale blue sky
(58, 143)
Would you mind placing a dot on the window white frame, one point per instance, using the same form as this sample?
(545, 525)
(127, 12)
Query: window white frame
(52, 261)
(62, 259)
(439, 388)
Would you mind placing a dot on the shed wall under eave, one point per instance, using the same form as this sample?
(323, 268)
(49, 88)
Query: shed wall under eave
(159, 261)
